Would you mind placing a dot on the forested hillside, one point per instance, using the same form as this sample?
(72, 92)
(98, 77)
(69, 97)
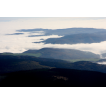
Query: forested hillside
(9, 63)
(53, 78)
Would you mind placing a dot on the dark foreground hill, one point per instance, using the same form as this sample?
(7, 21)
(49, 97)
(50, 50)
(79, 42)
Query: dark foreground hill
(55, 77)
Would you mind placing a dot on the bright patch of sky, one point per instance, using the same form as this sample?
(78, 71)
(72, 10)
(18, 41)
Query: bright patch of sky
(21, 43)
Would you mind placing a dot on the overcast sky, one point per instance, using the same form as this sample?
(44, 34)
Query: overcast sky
(21, 43)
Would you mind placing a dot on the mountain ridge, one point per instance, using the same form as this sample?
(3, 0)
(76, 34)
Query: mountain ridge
(10, 63)
(58, 53)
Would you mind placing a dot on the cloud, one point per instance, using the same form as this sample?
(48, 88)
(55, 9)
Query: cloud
(19, 44)
(96, 48)
(102, 63)
(15, 34)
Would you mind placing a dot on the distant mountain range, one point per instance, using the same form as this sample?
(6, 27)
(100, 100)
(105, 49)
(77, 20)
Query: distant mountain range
(66, 31)
(78, 38)
(56, 53)
(63, 53)
(71, 35)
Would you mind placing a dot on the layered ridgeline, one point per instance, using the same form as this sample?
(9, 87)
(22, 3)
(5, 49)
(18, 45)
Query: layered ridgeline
(11, 63)
(47, 56)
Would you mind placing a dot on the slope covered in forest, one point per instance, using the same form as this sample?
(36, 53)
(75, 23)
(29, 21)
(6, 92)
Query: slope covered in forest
(55, 77)
(9, 63)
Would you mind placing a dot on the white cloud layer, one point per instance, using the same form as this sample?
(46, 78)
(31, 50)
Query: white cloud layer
(21, 43)
(103, 63)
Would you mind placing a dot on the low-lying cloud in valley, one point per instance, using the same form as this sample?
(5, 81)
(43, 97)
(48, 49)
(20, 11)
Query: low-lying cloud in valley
(21, 43)
(14, 41)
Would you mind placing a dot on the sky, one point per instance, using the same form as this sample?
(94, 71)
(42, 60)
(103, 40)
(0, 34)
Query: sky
(20, 43)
